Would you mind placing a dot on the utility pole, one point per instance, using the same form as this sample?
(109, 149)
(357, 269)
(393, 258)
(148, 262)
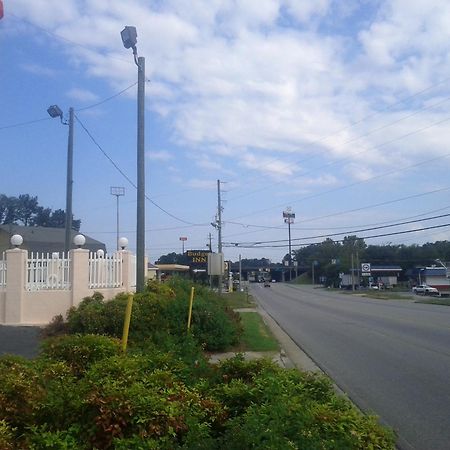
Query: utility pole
(68, 224)
(55, 111)
(219, 230)
(353, 274)
(289, 217)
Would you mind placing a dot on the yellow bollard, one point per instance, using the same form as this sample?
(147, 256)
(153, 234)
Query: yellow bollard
(191, 301)
(126, 323)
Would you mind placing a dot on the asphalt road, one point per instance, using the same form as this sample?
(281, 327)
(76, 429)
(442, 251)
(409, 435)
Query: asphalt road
(390, 357)
(23, 341)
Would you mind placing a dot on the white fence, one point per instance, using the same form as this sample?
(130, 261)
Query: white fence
(47, 271)
(105, 271)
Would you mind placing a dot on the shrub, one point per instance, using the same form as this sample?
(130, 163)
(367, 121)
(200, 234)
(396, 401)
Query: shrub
(20, 391)
(6, 436)
(79, 351)
(160, 311)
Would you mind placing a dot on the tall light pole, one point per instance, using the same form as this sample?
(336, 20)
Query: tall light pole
(289, 217)
(118, 192)
(183, 239)
(55, 111)
(129, 39)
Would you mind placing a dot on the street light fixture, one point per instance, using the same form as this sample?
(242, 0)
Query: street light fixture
(55, 111)
(129, 39)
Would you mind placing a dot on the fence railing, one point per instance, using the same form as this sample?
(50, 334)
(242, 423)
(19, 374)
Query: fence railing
(105, 271)
(47, 271)
(2, 270)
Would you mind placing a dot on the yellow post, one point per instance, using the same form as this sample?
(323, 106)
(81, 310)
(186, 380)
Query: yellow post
(190, 308)
(126, 323)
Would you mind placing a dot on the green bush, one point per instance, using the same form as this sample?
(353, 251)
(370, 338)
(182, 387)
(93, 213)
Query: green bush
(6, 436)
(20, 392)
(161, 311)
(79, 351)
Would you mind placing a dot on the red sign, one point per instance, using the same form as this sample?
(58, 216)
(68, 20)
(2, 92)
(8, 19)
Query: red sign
(183, 238)
(1, 9)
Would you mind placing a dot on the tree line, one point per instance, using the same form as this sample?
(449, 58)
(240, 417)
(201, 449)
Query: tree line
(25, 210)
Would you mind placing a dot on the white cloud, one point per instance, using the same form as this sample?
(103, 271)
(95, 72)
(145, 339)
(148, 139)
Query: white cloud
(38, 69)
(161, 155)
(82, 95)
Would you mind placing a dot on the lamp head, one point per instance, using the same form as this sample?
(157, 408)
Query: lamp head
(16, 240)
(79, 240)
(123, 243)
(55, 111)
(129, 37)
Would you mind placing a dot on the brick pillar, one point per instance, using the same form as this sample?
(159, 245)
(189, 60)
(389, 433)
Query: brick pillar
(16, 260)
(79, 275)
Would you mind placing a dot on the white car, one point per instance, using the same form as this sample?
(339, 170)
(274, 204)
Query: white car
(425, 290)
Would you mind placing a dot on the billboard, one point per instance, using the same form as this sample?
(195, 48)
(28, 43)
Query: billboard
(197, 258)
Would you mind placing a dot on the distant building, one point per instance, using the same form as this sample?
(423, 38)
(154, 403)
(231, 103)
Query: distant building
(43, 239)
(435, 277)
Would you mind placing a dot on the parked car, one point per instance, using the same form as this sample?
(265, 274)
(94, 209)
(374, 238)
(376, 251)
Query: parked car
(424, 289)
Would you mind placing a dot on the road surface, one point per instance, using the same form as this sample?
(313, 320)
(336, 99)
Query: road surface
(390, 357)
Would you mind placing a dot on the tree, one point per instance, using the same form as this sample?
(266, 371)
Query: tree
(173, 258)
(25, 210)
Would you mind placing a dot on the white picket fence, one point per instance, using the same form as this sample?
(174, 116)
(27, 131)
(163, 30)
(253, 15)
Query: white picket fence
(105, 271)
(3, 270)
(48, 271)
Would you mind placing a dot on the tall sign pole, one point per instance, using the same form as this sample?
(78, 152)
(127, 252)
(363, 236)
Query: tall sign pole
(289, 217)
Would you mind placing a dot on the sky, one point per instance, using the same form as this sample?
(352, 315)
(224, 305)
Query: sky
(337, 110)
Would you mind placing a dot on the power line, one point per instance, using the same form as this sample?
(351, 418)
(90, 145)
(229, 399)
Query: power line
(69, 41)
(132, 183)
(351, 125)
(356, 183)
(106, 99)
(21, 124)
(352, 231)
(341, 240)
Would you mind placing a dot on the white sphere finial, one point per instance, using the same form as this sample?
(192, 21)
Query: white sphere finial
(100, 253)
(123, 243)
(79, 240)
(16, 240)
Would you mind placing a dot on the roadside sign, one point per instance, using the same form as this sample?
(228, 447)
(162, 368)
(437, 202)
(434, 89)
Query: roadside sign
(365, 269)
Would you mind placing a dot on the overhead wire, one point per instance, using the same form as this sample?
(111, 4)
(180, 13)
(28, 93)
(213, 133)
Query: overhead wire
(341, 240)
(424, 219)
(132, 183)
(315, 154)
(356, 183)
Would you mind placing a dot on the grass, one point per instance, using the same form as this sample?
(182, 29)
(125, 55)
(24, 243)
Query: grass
(435, 301)
(256, 336)
(239, 300)
(386, 295)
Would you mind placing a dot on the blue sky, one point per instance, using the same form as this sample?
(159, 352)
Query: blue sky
(340, 110)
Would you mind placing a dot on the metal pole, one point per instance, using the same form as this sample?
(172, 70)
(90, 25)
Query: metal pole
(290, 251)
(240, 273)
(353, 275)
(68, 221)
(219, 228)
(313, 280)
(140, 226)
(117, 222)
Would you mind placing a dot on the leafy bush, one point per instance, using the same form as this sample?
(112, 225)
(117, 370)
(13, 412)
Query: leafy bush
(160, 312)
(90, 396)
(80, 351)
(20, 391)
